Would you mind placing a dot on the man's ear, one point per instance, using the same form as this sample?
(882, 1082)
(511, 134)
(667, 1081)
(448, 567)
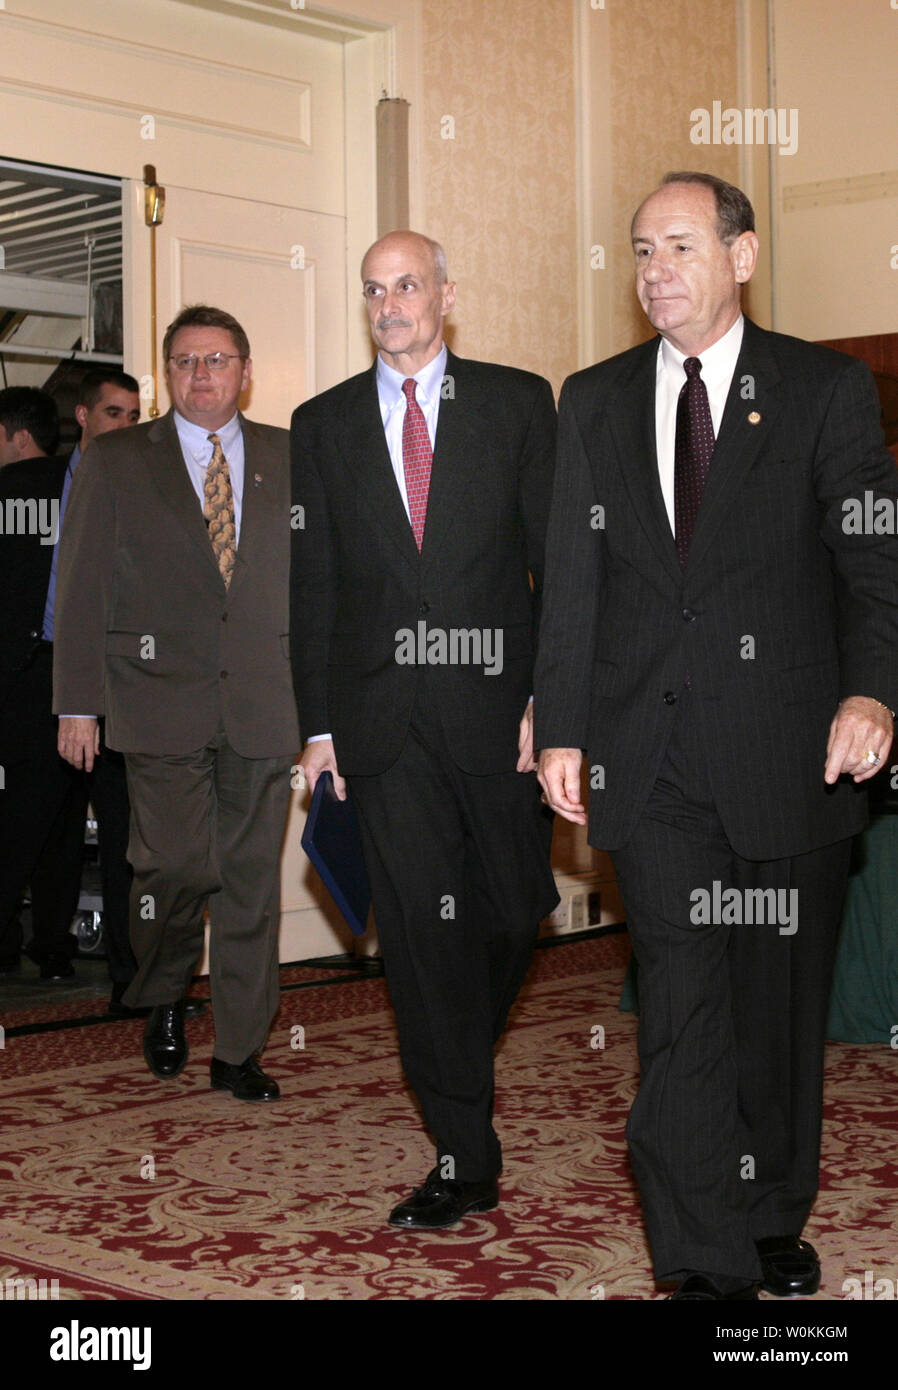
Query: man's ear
(745, 257)
(448, 297)
(81, 415)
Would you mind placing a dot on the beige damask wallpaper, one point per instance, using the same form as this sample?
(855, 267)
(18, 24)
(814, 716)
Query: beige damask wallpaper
(498, 150)
(667, 59)
(497, 145)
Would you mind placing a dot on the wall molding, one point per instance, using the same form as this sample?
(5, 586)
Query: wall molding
(856, 188)
(176, 119)
(146, 52)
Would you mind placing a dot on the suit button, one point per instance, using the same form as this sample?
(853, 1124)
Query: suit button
(688, 615)
(224, 675)
(422, 609)
(669, 697)
(224, 617)
(33, 633)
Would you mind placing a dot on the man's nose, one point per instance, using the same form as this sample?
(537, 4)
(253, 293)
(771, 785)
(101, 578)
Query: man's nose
(655, 267)
(201, 370)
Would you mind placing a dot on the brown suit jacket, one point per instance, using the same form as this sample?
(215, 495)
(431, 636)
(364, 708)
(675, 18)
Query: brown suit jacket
(146, 632)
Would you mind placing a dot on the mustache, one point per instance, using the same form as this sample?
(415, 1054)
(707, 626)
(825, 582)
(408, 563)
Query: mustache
(394, 323)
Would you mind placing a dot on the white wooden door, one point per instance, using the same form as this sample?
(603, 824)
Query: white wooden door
(279, 270)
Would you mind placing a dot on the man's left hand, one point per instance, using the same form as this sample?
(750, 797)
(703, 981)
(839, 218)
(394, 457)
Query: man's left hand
(526, 761)
(860, 726)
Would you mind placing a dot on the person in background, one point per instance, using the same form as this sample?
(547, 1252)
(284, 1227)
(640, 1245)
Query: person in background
(29, 424)
(40, 796)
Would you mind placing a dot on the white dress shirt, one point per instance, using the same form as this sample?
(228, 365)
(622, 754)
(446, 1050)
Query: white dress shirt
(718, 365)
(198, 452)
(393, 406)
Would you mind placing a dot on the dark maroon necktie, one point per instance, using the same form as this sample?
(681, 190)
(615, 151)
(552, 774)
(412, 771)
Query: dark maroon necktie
(692, 453)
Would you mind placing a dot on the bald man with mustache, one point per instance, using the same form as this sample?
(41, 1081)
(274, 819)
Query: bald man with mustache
(416, 581)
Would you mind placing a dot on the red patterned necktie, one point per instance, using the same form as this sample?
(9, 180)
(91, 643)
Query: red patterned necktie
(692, 453)
(417, 460)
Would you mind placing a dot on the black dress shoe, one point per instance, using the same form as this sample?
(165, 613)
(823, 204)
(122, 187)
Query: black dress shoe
(790, 1266)
(698, 1289)
(164, 1044)
(54, 968)
(118, 1009)
(194, 1007)
(442, 1201)
(247, 1082)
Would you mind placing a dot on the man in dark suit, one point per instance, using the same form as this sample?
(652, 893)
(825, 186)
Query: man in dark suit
(425, 486)
(39, 790)
(176, 631)
(726, 652)
(108, 399)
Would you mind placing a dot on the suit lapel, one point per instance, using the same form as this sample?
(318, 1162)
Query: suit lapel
(753, 406)
(259, 504)
(368, 458)
(169, 474)
(464, 425)
(631, 418)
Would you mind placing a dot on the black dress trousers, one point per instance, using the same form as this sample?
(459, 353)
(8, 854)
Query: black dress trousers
(460, 878)
(724, 1133)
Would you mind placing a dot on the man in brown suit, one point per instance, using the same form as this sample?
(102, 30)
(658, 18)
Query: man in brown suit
(172, 622)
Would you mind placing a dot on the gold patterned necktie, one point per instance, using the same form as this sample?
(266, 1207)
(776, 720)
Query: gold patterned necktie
(218, 510)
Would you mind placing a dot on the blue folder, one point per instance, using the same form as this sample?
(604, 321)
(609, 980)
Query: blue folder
(333, 842)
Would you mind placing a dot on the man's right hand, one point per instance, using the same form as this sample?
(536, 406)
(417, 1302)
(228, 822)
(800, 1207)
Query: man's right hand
(559, 777)
(319, 757)
(79, 741)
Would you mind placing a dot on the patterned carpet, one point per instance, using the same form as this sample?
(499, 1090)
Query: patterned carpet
(124, 1187)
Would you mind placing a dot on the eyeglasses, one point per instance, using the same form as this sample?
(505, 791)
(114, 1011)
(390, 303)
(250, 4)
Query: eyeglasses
(215, 361)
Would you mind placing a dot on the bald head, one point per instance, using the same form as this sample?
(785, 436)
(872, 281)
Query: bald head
(407, 296)
(416, 244)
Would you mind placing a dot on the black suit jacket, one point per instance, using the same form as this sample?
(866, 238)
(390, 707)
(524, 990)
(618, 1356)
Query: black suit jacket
(25, 561)
(26, 726)
(358, 579)
(778, 615)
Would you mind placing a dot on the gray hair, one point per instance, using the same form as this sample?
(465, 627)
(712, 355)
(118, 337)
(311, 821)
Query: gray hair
(735, 213)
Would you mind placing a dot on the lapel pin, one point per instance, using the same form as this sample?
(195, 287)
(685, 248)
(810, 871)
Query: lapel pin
(754, 418)
(257, 477)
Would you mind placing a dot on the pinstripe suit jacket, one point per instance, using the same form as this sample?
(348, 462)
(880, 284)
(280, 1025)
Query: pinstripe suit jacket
(779, 613)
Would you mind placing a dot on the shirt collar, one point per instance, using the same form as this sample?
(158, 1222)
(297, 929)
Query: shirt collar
(195, 438)
(718, 361)
(429, 379)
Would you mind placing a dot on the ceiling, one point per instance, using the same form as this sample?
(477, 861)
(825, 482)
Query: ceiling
(54, 222)
(60, 231)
